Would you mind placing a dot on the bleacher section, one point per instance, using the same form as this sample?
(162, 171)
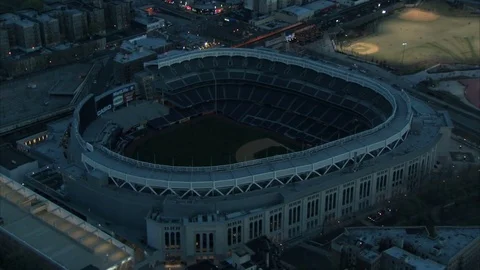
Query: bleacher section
(302, 104)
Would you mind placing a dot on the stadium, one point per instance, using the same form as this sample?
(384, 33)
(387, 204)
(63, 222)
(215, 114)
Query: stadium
(296, 145)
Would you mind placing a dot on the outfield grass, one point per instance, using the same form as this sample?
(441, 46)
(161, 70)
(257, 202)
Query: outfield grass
(205, 141)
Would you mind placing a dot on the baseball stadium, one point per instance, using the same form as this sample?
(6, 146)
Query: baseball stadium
(227, 145)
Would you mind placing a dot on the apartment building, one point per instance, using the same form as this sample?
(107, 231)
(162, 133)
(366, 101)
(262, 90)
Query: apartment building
(262, 7)
(75, 24)
(4, 43)
(49, 26)
(383, 248)
(23, 34)
(119, 14)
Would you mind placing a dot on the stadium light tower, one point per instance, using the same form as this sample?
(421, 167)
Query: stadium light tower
(404, 44)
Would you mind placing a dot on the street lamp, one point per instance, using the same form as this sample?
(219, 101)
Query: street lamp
(404, 44)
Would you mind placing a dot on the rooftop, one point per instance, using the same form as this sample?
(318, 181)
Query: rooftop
(30, 97)
(9, 17)
(11, 158)
(72, 243)
(319, 5)
(449, 240)
(149, 43)
(412, 260)
(44, 18)
(139, 53)
(296, 10)
(146, 20)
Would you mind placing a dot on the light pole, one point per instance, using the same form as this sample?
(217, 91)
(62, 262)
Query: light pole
(404, 44)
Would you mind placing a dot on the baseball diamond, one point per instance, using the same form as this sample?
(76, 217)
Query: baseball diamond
(328, 142)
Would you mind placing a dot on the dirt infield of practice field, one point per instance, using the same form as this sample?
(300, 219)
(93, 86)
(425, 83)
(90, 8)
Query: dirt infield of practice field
(413, 39)
(249, 150)
(204, 141)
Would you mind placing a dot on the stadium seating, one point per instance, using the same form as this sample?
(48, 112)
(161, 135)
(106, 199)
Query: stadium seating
(302, 104)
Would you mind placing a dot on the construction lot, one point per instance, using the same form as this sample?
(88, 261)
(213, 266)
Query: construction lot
(412, 39)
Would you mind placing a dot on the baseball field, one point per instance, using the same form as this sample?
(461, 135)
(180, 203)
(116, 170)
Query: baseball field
(210, 140)
(412, 39)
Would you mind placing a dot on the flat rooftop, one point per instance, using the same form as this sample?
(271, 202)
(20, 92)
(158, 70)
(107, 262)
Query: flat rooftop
(69, 246)
(415, 261)
(133, 55)
(11, 158)
(147, 43)
(449, 240)
(39, 94)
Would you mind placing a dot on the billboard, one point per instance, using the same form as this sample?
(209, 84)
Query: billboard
(123, 95)
(115, 98)
(104, 104)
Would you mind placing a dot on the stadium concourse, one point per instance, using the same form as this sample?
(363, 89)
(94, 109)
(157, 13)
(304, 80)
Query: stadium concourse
(368, 142)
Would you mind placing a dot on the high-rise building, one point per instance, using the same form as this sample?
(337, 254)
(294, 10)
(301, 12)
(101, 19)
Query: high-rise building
(96, 21)
(23, 34)
(28, 35)
(262, 7)
(49, 26)
(95, 16)
(119, 14)
(49, 29)
(4, 43)
(76, 24)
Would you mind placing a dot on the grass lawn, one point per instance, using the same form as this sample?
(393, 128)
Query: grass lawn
(414, 39)
(204, 141)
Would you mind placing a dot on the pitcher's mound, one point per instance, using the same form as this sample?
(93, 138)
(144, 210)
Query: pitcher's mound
(362, 48)
(418, 15)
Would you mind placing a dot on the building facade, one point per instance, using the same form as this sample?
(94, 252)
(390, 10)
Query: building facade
(4, 43)
(23, 34)
(119, 14)
(50, 30)
(76, 24)
(126, 64)
(385, 248)
(295, 215)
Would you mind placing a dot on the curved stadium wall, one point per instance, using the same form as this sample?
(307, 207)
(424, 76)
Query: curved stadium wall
(322, 174)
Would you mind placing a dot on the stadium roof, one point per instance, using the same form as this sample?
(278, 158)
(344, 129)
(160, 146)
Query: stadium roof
(11, 158)
(72, 243)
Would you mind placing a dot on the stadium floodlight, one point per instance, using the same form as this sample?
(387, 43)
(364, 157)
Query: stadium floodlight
(404, 44)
